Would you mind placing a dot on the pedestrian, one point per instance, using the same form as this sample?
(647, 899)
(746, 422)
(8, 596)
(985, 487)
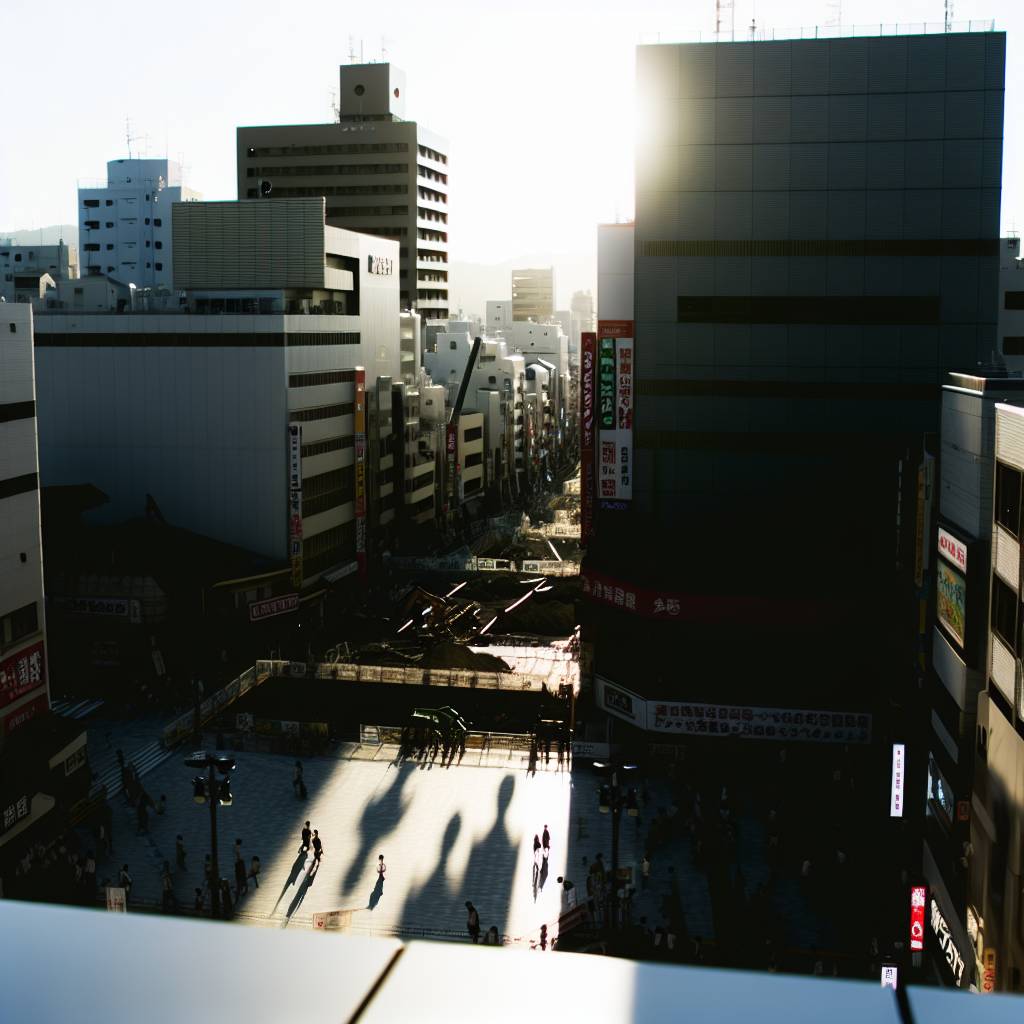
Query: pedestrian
(307, 836)
(491, 938)
(124, 879)
(169, 902)
(645, 871)
(197, 903)
(545, 841)
(241, 883)
(254, 871)
(179, 852)
(298, 783)
(472, 922)
(226, 906)
(318, 848)
(382, 870)
(536, 846)
(161, 804)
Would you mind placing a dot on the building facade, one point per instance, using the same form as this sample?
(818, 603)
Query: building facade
(124, 226)
(380, 174)
(1011, 304)
(533, 294)
(22, 267)
(243, 417)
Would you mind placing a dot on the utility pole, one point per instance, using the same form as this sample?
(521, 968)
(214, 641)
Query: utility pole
(208, 790)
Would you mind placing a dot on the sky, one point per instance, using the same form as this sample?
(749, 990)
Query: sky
(536, 98)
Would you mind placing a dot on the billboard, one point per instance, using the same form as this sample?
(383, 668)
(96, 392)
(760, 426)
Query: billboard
(952, 549)
(898, 775)
(918, 899)
(360, 470)
(22, 673)
(951, 599)
(295, 502)
(273, 606)
(620, 702)
(615, 409)
(588, 391)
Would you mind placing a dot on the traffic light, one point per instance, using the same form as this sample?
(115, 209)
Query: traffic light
(631, 807)
(604, 799)
(224, 793)
(199, 789)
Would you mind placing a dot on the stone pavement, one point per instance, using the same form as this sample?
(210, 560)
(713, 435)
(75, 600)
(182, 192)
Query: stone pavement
(447, 835)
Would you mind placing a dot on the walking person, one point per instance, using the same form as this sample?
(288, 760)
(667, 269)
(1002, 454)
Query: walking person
(307, 838)
(179, 853)
(472, 922)
(536, 847)
(226, 907)
(241, 883)
(382, 870)
(298, 782)
(254, 871)
(124, 879)
(197, 903)
(318, 848)
(545, 841)
(169, 902)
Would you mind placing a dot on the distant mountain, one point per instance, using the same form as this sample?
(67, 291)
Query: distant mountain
(41, 236)
(470, 285)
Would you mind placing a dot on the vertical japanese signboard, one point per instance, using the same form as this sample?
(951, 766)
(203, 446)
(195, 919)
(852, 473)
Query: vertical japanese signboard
(451, 449)
(896, 790)
(360, 470)
(295, 502)
(615, 409)
(588, 388)
(918, 899)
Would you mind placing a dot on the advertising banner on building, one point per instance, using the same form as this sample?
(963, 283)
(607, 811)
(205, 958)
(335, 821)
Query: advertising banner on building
(360, 471)
(890, 976)
(22, 673)
(951, 599)
(947, 946)
(615, 410)
(588, 428)
(953, 550)
(988, 971)
(896, 787)
(295, 502)
(273, 606)
(451, 447)
(918, 899)
(620, 702)
(760, 723)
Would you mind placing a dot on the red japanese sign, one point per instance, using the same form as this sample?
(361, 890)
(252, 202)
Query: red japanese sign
(21, 673)
(34, 708)
(918, 899)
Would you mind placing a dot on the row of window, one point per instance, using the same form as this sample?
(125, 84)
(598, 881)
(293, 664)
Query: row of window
(432, 154)
(424, 214)
(200, 339)
(325, 483)
(434, 197)
(321, 412)
(1008, 498)
(368, 211)
(808, 309)
(95, 224)
(328, 548)
(419, 481)
(317, 377)
(95, 247)
(429, 175)
(334, 150)
(391, 231)
(473, 434)
(330, 444)
(17, 625)
(324, 170)
(474, 460)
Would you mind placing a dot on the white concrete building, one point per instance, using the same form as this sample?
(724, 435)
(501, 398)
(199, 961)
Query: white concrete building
(1011, 304)
(124, 226)
(533, 294)
(23, 668)
(207, 410)
(470, 456)
(23, 266)
(499, 316)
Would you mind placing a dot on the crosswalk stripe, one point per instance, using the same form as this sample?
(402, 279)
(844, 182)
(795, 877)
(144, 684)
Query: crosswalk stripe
(145, 760)
(76, 709)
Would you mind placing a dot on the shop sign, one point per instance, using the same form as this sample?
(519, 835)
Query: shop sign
(988, 971)
(14, 812)
(615, 408)
(946, 943)
(620, 702)
(952, 549)
(763, 723)
(918, 898)
(951, 599)
(896, 790)
(117, 899)
(22, 673)
(273, 606)
(580, 748)
(106, 606)
(382, 265)
(295, 502)
(37, 706)
(331, 920)
(75, 761)
(890, 975)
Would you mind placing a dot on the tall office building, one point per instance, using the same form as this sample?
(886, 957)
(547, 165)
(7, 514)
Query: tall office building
(380, 174)
(533, 294)
(124, 226)
(816, 246)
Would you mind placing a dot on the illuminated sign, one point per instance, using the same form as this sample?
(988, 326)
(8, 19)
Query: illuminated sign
(898, 773)
(988, 971)
(21, 673)
(951, 599)
(946, 943)
(918, 898)
(890, 975)
(953, 549)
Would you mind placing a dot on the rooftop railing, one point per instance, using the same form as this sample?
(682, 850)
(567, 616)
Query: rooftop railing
(756, 33)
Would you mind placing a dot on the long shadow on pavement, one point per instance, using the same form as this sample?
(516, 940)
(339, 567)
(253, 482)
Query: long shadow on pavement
(424, 901)
(304, 886)
(300, 860)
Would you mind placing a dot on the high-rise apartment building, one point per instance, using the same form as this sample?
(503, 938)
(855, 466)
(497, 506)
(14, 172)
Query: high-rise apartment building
(533, 294)
(380, 174)
(124, 227)
(816, 246)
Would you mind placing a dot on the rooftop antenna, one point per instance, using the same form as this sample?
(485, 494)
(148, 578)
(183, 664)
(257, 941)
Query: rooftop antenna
(834, 13)
(351, 49)
(383, 51)
(129, 138)
(949, 16)
(334, 106)
(725, 12)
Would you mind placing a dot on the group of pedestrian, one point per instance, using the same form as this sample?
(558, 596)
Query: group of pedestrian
(473, 927)
(542, 845)
(311, 841)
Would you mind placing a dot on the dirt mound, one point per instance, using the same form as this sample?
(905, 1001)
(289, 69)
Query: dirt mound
(456, 656)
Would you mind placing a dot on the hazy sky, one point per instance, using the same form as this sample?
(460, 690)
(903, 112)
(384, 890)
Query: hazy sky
(536, 97)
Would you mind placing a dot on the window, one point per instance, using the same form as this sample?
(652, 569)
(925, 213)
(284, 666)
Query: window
(474, 460)
(492, 380)
(109, 247)
(92, 224)
(1004, 612)
(157, 245)
(110, 202)
(91, 203)
(147, 244)
(148, 265)
(1013, 300)
(308, 380)
(79, 291)
(159, 266)
(330, 444)
(14, 328)
(146, 220)
(109, 224)
(451, 344)
(110, 270)
(473, 434)
(17, 624)
(147, 197)
(91, 247)
(1013, 346)
(157, 222)
(1008, 482)
(321, 412)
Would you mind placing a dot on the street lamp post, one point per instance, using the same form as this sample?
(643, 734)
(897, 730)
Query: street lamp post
(208, 790)
(612, 798)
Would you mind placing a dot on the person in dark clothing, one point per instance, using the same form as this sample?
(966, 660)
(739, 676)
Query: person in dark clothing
(318, 848)
(472, 922)
(179, 852)
(226, 907)
(545, 840)
(536, 846)
(307, 836)
(197, 904)
(298, 783)
(241, 882)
